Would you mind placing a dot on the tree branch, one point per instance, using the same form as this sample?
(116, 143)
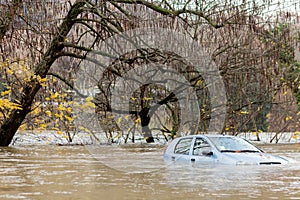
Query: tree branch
(68, 83)
(8, 17)
(171, 13)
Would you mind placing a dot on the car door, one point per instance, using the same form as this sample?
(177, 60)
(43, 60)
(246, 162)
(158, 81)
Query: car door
(202, 151)
(183, 149)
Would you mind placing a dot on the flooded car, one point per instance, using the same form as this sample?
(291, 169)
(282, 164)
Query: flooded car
(219, 149)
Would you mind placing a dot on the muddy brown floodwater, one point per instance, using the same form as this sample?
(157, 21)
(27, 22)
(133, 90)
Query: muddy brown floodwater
(73, 172)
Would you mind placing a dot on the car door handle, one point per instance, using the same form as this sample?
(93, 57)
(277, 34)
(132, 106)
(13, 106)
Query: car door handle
(193, 159)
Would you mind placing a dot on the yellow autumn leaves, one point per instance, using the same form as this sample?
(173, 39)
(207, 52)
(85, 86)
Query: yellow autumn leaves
(53, 110)
(6, 106)
(13, 70)
(19, 69)
(88, 103)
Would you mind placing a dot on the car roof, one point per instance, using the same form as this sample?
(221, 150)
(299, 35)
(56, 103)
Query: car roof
(207, 135)
(219, 135)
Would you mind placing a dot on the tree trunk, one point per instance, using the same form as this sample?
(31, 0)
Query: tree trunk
(11, 124)
(145, 120)
(145, 116)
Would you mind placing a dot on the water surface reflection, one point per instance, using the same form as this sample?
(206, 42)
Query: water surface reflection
(72, 172)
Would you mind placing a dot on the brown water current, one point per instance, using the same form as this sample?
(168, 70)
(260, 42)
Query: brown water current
(114, 172)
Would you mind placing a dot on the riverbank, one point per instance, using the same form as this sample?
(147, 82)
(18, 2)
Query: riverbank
(83, 138)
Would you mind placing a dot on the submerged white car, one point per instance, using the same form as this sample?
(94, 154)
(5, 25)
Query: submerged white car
(219, 149)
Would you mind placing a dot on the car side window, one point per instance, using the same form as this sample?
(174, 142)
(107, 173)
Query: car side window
(183, 146)
(201, 147)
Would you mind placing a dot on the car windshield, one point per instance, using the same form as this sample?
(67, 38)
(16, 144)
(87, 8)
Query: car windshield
(233, 144)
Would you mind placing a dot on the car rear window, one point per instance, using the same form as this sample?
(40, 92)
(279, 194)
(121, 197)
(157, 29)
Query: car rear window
(183, 146)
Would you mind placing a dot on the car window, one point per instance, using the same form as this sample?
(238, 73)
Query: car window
(232, 144)
(183, 146)
(201, 146)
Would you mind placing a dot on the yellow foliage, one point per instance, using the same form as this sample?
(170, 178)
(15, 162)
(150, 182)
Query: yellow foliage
(244, 112)
(88, 104)
(4, 64)
(59, 132)
(4, 93)
(70, 119)
(84, 129)
(61, 107)
(9, 71)
(22, 127)
(54, 95)
(199, 82)
(295, 136)
(119, 120)
(254, 133)
(89, 98)
(49, 113)
(69, 109)
(137, 121)
(288, 118)
(35, 111)
(59, 115)
(6, 104)
(43, 126)
(42, 81)
(19, 68)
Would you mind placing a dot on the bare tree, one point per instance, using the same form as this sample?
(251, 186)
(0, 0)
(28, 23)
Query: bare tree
(46, 32)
